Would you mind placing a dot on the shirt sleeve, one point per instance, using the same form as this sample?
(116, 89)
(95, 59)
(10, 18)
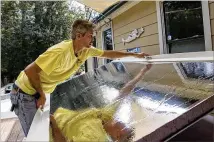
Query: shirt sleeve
(95, 52)
(48, 61)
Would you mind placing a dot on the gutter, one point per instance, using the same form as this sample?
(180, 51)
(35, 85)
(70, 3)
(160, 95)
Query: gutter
(108, 11)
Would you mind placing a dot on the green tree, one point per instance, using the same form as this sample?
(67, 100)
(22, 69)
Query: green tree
(10, 28)
(28, 28)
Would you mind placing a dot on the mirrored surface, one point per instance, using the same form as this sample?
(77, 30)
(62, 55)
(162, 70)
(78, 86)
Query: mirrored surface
(155, 103)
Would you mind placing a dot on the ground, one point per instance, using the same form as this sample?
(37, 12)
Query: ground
(11, 130)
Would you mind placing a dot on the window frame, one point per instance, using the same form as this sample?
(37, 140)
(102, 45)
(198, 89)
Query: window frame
(104, 28)
(161, 27)
(95, 59)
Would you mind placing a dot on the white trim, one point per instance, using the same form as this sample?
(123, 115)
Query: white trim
(112, 34)
(206, 23)
(128, 5)
(172, 58)
(104, 28)
(161, 27)
(102, 41)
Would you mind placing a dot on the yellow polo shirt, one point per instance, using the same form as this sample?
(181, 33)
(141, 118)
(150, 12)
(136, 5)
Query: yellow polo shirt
(58, 63)
(84, 125)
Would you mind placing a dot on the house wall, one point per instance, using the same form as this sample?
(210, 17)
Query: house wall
(141, 15)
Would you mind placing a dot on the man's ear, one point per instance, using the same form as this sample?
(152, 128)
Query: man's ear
(78, 35)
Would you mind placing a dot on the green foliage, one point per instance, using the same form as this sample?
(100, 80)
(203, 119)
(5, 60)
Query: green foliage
(28, 28)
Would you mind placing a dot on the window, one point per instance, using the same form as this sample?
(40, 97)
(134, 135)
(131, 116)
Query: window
(184, 26)
(107, 42)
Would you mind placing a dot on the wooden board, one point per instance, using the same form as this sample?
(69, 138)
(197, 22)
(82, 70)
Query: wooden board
(17, 133)
(11, 130)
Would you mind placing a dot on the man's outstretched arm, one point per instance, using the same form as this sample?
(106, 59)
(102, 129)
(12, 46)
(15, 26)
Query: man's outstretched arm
(131, 84)
(118, 54)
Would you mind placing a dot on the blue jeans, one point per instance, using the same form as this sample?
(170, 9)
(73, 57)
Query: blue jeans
(24, 107)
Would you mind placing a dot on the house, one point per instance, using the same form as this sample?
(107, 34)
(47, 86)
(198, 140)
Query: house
(154, 27)
(176, 28)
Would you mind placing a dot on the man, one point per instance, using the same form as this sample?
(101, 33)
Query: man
(54, 66)
(93, 124)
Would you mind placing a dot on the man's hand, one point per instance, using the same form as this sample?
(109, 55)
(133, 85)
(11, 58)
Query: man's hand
(52, 121)
(141, 55)
(148, 67)
(41, 101)
(128, 87)
(110, 54)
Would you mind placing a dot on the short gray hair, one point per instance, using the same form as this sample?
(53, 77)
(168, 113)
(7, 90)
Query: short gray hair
(81, 26)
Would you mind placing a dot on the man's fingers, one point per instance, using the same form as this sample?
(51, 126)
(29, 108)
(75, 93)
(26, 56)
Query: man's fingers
(37, 105)
(146, 54)
(40, 105)
(51, 118)
(149, 66)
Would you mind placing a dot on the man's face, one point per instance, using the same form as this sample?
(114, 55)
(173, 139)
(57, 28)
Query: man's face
(87, 39)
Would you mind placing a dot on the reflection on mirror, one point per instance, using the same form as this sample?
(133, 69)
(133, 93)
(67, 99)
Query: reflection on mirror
(131, 101)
